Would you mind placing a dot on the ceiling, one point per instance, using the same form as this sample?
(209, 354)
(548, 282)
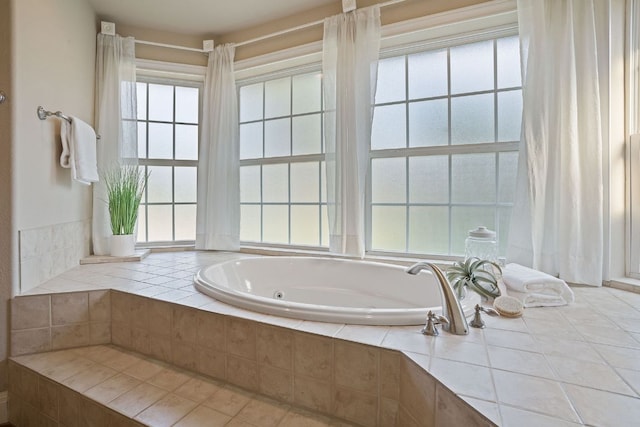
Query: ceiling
(197, 17)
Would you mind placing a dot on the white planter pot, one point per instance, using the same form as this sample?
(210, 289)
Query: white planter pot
(123, 245)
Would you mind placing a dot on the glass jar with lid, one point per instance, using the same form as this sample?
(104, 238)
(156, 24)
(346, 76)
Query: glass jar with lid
(481, 243)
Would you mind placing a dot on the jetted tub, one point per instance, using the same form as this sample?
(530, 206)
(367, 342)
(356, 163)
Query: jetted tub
(324, 289)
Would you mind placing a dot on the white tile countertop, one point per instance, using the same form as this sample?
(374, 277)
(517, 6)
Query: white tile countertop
(560, 366)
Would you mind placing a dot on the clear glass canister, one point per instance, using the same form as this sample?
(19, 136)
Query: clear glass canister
(481, 243)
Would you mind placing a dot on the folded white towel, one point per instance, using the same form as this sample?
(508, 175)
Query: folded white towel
(79, 150)
(535, 288)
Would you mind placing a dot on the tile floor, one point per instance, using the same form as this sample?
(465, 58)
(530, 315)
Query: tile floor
(564, 366)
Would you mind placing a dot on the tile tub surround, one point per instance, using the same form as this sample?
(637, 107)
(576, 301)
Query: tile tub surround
(569, 365)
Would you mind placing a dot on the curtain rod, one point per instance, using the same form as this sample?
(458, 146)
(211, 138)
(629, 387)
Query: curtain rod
(260, 38)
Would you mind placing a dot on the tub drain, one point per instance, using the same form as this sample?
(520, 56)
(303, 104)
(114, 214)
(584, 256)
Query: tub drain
(278, 295)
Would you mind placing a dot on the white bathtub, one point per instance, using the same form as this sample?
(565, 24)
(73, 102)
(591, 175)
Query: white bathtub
(323, 289)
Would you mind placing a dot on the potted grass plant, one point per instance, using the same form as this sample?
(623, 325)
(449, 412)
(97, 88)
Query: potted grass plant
(125, 185)
(473, 274)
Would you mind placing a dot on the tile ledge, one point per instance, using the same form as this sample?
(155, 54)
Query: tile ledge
(139, 255)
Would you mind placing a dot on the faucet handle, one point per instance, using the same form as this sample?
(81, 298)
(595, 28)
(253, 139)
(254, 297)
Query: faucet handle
(433, 320)
(477, 321)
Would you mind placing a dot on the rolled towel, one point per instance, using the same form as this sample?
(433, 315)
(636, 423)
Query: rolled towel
(535, 288)
(79, 150)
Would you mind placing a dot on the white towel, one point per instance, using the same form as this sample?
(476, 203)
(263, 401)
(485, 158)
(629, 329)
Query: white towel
(79, 150)
(535, 288)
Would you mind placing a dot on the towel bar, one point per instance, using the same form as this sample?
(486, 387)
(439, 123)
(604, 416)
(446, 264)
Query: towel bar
(43, 114)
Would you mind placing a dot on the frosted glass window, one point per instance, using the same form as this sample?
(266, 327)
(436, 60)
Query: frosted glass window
(391, 80)
(141, 95)
(250, 184)
(323, 182)
(428, 75)
(389, 128)
(465, 218)
(429, 123)
(142, 224)
(307, 93)
(160, 141)
(187, 104)
(472, 119)
(429, 179)
(251, 140)
(275, 183)
(187, 142)
(388, 180)
(472, 67)
(307, 134)
(186, 181)
(388, 228)
(509, 115)
(277, 98)
(507, 170)
(250, 220)
(473, 178)
(277, 138)
(324, 225)
(275, 220)
(251, 99)
(305, 225)
(161, 102)
(185, 222)
(142, 140)
(502, 231)
(160, 223)
(508, 62)
(159, 184)
(305, 182)
(429, 230)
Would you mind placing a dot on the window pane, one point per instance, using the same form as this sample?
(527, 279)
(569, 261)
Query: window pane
(187, 103)
(251, 141)
(307, 135)
(472, 67)
(305, 225)
(160, 222)
(161, 102)
(391, 80)
(185, 222)
(429, 229)
(389, 129)
(186, 179)
(305, 182)
(325, 226)
(509, 62)
(187, 142)
(141, 95)
(429, 179)
(508, 169)
(388, 180)
(276, 224)
(250, 184)
(277, 138)
(307, 93)
(473, 178)
(502, 233)
(472, 119)
(429, 123)
(323, 182)
(142, 140)
(142, 224)
(465, 218)
(251, 102)
(277, 98)
(250, 223)
(388, 228)
(160, 141)
(509, 115)
(159, 184)
(428, 74)
(275, 183)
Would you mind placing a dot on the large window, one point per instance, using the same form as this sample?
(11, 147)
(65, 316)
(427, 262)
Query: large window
(444, 146)
(282, 189)
(168, 120)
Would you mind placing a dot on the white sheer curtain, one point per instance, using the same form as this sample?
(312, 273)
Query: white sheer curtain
(115, 122)
(218, 212)
(350, 64)
(557, 222)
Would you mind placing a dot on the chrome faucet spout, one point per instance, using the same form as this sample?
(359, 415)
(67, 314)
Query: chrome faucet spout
(451, 308)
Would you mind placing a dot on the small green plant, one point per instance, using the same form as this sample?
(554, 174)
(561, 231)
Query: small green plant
(125, 186)
(470, 273)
